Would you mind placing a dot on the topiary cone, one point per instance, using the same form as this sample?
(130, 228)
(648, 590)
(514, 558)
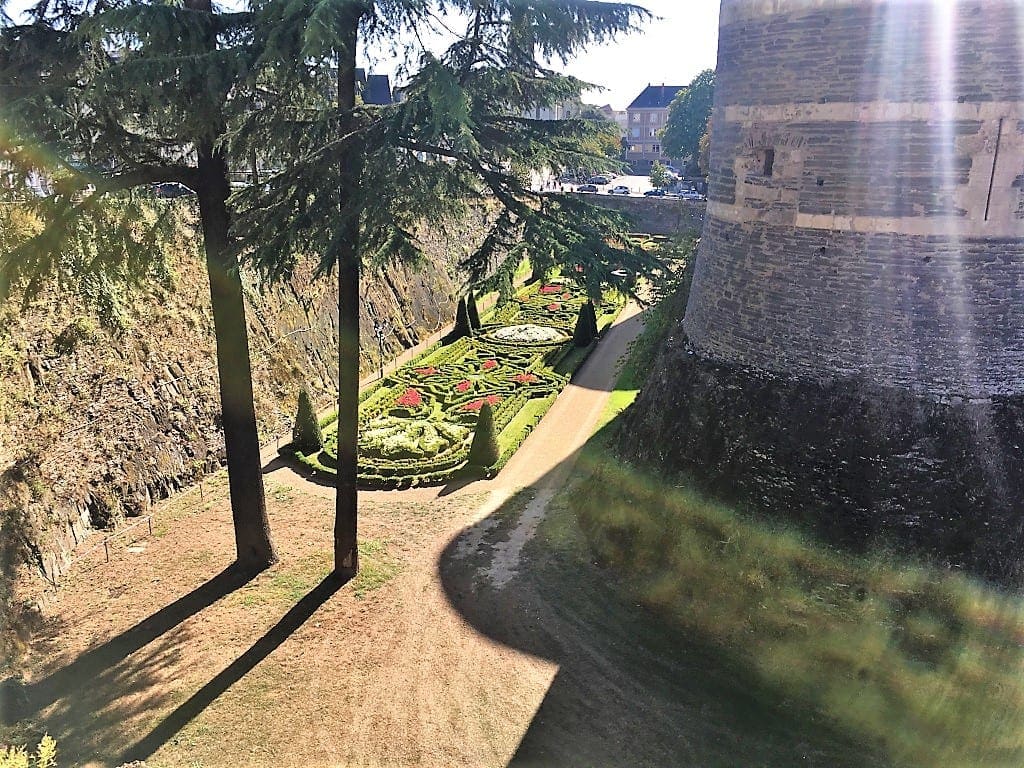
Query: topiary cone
(474, 315)
(591, 319)
(484, 450)
(582, 335)
(306, 434)
(463, 327)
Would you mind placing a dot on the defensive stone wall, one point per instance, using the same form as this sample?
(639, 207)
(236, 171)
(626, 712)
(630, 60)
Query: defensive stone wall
(865, 197)
(852, 354)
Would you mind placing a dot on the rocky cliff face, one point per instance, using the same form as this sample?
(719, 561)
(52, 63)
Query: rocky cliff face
(96, 425)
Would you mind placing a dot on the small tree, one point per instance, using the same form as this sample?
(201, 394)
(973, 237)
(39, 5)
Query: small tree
(463, 324)
(583, 333)
(306, 434)
(484, 452)
(591, 318)
(659, 175)
(474, 314)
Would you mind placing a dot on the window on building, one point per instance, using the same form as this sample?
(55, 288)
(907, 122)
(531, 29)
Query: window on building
(769, 161)
(636, 133)
(656, 149)
(635, 117)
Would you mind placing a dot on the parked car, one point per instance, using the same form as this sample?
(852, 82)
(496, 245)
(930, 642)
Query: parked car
(621, 189)
(656, 192)
(691, 194)
(599, 180)
(586, 188)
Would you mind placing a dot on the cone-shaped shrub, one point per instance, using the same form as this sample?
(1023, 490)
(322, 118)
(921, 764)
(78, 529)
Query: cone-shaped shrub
(484, 451)
(306, 434)
(462, 325)
(591, 318)
(582, 335)
(505, 290)
(474, 315)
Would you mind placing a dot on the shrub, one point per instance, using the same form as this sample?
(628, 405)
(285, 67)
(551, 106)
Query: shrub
(474, 314)
(307, 435)
(463, 326)
(45, 755)
(591, 318)
(583, 334)
(484, 451)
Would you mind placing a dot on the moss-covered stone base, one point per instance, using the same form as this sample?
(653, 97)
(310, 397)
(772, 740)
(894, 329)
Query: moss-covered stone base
(857, 463)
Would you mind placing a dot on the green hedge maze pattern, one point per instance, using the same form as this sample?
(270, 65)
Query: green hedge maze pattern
(416, 426)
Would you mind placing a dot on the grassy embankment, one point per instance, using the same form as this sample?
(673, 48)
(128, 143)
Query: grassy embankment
(916, 663)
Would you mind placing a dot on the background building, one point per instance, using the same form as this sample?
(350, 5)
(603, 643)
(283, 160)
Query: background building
(646, 117)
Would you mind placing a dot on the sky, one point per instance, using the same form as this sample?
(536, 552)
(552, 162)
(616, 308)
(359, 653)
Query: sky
(671, 49)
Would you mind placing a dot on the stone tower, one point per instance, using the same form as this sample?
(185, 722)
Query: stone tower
(853, 346)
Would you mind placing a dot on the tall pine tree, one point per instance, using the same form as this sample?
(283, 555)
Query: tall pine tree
(361, 178)
(110, 97)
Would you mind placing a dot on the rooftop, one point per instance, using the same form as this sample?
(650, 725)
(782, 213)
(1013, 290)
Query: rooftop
(656, 97)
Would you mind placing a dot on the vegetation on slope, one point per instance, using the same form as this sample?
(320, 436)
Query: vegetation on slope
(920, 663)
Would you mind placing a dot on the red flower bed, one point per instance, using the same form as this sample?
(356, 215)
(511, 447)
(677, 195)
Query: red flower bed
(410, 399)
(554, 307)
(476, 405)
(551, 289)
(426, 371)
(463, 386)
(489, 365)
(566, 296)
(525, 378)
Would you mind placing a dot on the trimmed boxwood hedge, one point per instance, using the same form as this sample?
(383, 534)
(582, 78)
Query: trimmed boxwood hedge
(417, 424)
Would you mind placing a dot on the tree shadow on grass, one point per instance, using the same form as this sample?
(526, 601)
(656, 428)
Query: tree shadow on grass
(299, 614)
(631, 689)
(22, 701)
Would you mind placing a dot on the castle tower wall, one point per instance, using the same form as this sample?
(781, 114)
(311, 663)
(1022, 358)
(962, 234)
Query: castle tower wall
(886, 238)
(852, 352)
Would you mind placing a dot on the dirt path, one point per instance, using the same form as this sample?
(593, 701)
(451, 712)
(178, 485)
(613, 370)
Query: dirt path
(166, 656)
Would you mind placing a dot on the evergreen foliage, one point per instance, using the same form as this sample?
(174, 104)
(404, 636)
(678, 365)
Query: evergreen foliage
(174, 92)
(484, 452)
(306, 433)
(474, 313)
(101, 101)
(688, 117)
(583, 333)
(591, 313)
(463, 324)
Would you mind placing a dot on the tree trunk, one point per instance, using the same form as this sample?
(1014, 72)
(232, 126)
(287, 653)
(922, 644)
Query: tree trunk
(346, 554)
(241, 440)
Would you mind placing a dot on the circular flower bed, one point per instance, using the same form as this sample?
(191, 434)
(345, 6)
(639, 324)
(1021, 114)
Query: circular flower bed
(411, 398)
(476, 405)
(393, 439)
(528, 334)
(416, 427)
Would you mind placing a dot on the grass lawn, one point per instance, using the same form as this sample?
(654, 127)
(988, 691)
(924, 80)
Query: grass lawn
(915, 663)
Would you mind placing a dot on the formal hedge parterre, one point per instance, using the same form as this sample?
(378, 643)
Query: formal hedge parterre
(416, 426)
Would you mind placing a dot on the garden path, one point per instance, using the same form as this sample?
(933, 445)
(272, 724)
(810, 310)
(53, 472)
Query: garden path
(162, 655)
(542, 463)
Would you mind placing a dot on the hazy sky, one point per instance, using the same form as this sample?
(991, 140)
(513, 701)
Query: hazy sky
(672, 49)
